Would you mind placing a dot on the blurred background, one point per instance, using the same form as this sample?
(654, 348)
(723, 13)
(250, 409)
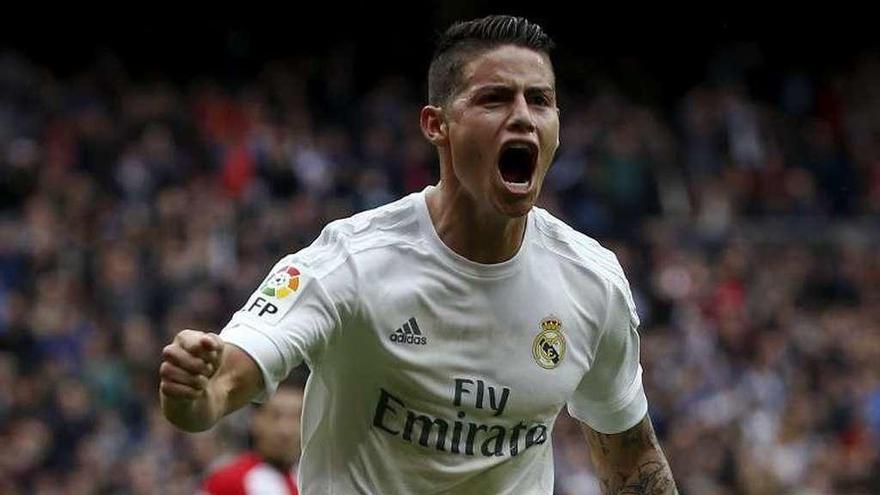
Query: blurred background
(153, 168)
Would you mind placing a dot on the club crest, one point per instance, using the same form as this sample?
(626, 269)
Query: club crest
(548, 348)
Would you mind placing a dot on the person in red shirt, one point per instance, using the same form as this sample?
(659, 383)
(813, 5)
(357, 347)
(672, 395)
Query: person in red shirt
(269, 469)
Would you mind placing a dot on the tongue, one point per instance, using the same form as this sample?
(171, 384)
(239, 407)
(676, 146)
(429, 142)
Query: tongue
(515, 174)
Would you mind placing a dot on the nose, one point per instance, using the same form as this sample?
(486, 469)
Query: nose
(521, 116)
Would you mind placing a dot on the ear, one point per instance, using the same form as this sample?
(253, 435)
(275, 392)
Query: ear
(433, 124)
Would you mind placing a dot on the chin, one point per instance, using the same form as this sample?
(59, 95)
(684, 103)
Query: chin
(518, 209)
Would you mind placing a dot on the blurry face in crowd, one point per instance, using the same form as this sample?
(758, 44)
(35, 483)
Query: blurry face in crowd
(502, 128)
(276, 428)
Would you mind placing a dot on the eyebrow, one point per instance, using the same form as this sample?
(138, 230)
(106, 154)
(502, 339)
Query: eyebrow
(505, 87)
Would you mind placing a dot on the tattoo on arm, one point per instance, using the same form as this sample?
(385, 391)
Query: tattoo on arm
(630, 462)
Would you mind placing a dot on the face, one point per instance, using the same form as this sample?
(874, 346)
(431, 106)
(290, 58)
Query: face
(276, 427)
(502, 128)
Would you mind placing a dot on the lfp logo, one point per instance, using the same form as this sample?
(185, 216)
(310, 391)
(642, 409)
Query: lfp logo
(283, 283)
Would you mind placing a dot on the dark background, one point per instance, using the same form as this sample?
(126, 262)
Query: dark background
(625, 44)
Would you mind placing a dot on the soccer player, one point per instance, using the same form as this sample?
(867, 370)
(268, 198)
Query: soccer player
(268, 469)
(445, 331)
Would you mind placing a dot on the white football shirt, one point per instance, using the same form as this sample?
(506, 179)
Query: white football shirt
(431, 373)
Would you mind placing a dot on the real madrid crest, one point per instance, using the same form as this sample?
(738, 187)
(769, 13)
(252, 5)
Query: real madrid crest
(549, 346)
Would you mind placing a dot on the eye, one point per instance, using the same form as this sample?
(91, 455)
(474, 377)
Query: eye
(491, 99)
(540, 99)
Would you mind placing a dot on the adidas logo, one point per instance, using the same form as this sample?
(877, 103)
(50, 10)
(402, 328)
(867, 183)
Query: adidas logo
(409, 333)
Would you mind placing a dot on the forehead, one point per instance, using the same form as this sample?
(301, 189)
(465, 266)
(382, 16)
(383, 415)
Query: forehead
(510, 66)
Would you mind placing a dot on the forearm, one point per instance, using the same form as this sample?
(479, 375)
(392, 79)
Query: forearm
(650, 474)
(631, 462)
(195, 402)
(196, 414)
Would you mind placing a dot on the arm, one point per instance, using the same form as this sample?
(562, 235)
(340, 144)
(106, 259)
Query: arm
(630, 462)
(204, 379)
(206, 376)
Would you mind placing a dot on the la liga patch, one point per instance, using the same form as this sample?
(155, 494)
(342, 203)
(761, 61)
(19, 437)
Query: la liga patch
(282, 283)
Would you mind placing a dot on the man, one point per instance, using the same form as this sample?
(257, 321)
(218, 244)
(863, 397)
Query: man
(268, 469)
(446, 330)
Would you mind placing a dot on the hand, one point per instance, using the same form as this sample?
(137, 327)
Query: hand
(188, 363)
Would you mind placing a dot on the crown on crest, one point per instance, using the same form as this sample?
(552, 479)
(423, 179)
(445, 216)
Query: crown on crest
(551, 323)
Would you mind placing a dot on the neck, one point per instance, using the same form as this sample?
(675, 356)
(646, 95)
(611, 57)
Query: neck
(477, 234)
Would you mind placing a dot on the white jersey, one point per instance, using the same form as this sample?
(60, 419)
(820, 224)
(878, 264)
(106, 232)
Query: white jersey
(431, 373)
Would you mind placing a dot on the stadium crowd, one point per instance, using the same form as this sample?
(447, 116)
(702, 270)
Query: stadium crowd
(747, 224)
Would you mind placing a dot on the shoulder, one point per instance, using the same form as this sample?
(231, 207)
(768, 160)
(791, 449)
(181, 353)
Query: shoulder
(587, 256)
(576, 248)
(393, 224)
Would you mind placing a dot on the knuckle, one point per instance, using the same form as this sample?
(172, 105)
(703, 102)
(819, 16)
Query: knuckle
(182, 336)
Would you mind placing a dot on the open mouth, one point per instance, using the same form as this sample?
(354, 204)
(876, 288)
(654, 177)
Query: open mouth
(517, 162)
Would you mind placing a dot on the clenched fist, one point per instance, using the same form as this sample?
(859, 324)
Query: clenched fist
(188, 363)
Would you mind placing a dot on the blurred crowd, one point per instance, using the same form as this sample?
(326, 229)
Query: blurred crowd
(747, 224)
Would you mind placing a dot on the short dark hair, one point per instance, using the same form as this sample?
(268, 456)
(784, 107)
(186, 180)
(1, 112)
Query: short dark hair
(464, 40)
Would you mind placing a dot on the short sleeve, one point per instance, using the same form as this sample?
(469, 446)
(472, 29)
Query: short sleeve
(290, 318)
(610, 397)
